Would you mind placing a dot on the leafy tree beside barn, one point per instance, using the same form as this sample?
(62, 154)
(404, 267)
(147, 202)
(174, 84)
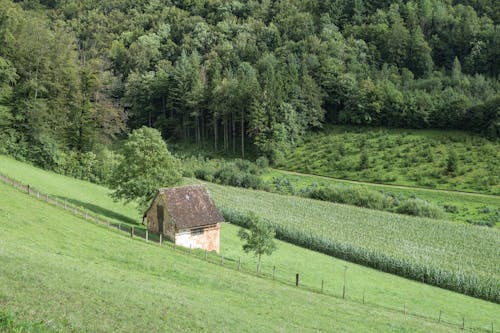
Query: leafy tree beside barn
(146, 166)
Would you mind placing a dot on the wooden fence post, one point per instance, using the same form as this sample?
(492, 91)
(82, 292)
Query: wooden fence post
(132, 231)
(274, 271)
(296, 279)
(239, 263)
(28, 189)
(147, 235)
(440, 313)
(120, 226)
(222, 259)
(463, 322)
(38, 194)
(345, 279)
(86, 215)
(65, 203)
(47, 197)
(161, 239)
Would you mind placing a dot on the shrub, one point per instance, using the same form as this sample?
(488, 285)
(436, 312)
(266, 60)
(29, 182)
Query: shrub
(239, 173)
(419, 207)
(451, 162)
(262, 162)
(357, 196)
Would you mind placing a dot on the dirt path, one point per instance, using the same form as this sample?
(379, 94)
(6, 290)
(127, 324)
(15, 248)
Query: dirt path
(413, 188)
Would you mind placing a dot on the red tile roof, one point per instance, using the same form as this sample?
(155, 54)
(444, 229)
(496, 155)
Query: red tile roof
(191, 206)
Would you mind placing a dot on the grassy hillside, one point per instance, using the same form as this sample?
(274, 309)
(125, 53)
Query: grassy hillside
(78, 192)
(404, 157)
(380, 288)
(75, 276)
(458, 206)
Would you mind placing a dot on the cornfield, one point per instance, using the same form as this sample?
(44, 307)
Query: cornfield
(449, 255)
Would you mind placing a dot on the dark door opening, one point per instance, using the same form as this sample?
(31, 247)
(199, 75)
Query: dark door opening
(159, 214)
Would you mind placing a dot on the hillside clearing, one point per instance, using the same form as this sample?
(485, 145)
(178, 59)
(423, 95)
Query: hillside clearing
(401, 157)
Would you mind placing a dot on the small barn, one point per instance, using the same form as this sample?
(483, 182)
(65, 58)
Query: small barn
(185, 215)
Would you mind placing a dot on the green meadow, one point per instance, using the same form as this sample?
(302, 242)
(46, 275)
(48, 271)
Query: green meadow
(380, 290)
(64, 274)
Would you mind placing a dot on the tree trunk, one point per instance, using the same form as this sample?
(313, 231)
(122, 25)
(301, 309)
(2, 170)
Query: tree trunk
(258, 265)
(215, 133)
(225, 132)
(234, 132)
(242, 135)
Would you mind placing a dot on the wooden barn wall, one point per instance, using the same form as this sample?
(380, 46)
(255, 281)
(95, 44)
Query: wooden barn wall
(152, 219)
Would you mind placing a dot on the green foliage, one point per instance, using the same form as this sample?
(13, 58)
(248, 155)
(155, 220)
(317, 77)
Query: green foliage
(146, 166)
(357, 196)
(364, 160)
(238, 172)
(259, 238)
(245, 76)
(451, 162)
(419, 207)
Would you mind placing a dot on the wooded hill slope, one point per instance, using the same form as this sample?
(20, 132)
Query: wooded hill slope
(239, 74)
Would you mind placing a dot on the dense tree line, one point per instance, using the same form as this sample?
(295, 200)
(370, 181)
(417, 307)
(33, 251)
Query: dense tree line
(240, 74)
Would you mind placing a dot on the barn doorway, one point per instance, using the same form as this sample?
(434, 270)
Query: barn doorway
(159, 215)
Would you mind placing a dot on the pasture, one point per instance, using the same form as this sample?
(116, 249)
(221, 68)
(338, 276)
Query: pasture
(64, 274)
(380, 288)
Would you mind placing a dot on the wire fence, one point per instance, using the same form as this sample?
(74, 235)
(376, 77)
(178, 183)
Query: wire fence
(273, 272)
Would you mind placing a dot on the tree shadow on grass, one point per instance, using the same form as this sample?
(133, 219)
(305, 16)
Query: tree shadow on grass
(100, 211)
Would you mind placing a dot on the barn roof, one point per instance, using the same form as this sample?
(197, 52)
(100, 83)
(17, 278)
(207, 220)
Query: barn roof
(191, 206)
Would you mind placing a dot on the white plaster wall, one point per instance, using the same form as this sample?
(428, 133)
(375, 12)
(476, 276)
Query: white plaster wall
(209, 240)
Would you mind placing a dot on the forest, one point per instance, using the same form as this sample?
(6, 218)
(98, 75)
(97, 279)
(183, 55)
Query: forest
(238, 76)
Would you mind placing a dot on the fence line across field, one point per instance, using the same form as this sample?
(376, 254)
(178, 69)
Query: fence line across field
(294, 280)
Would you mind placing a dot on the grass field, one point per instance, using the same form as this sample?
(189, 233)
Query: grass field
(65, 274)
(77, 192)
(380, 288)
(403, 157)
(465, 207)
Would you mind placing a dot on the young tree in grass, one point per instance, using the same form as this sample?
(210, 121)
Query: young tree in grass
(146, 166)
(451, 162)
(259, 238)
